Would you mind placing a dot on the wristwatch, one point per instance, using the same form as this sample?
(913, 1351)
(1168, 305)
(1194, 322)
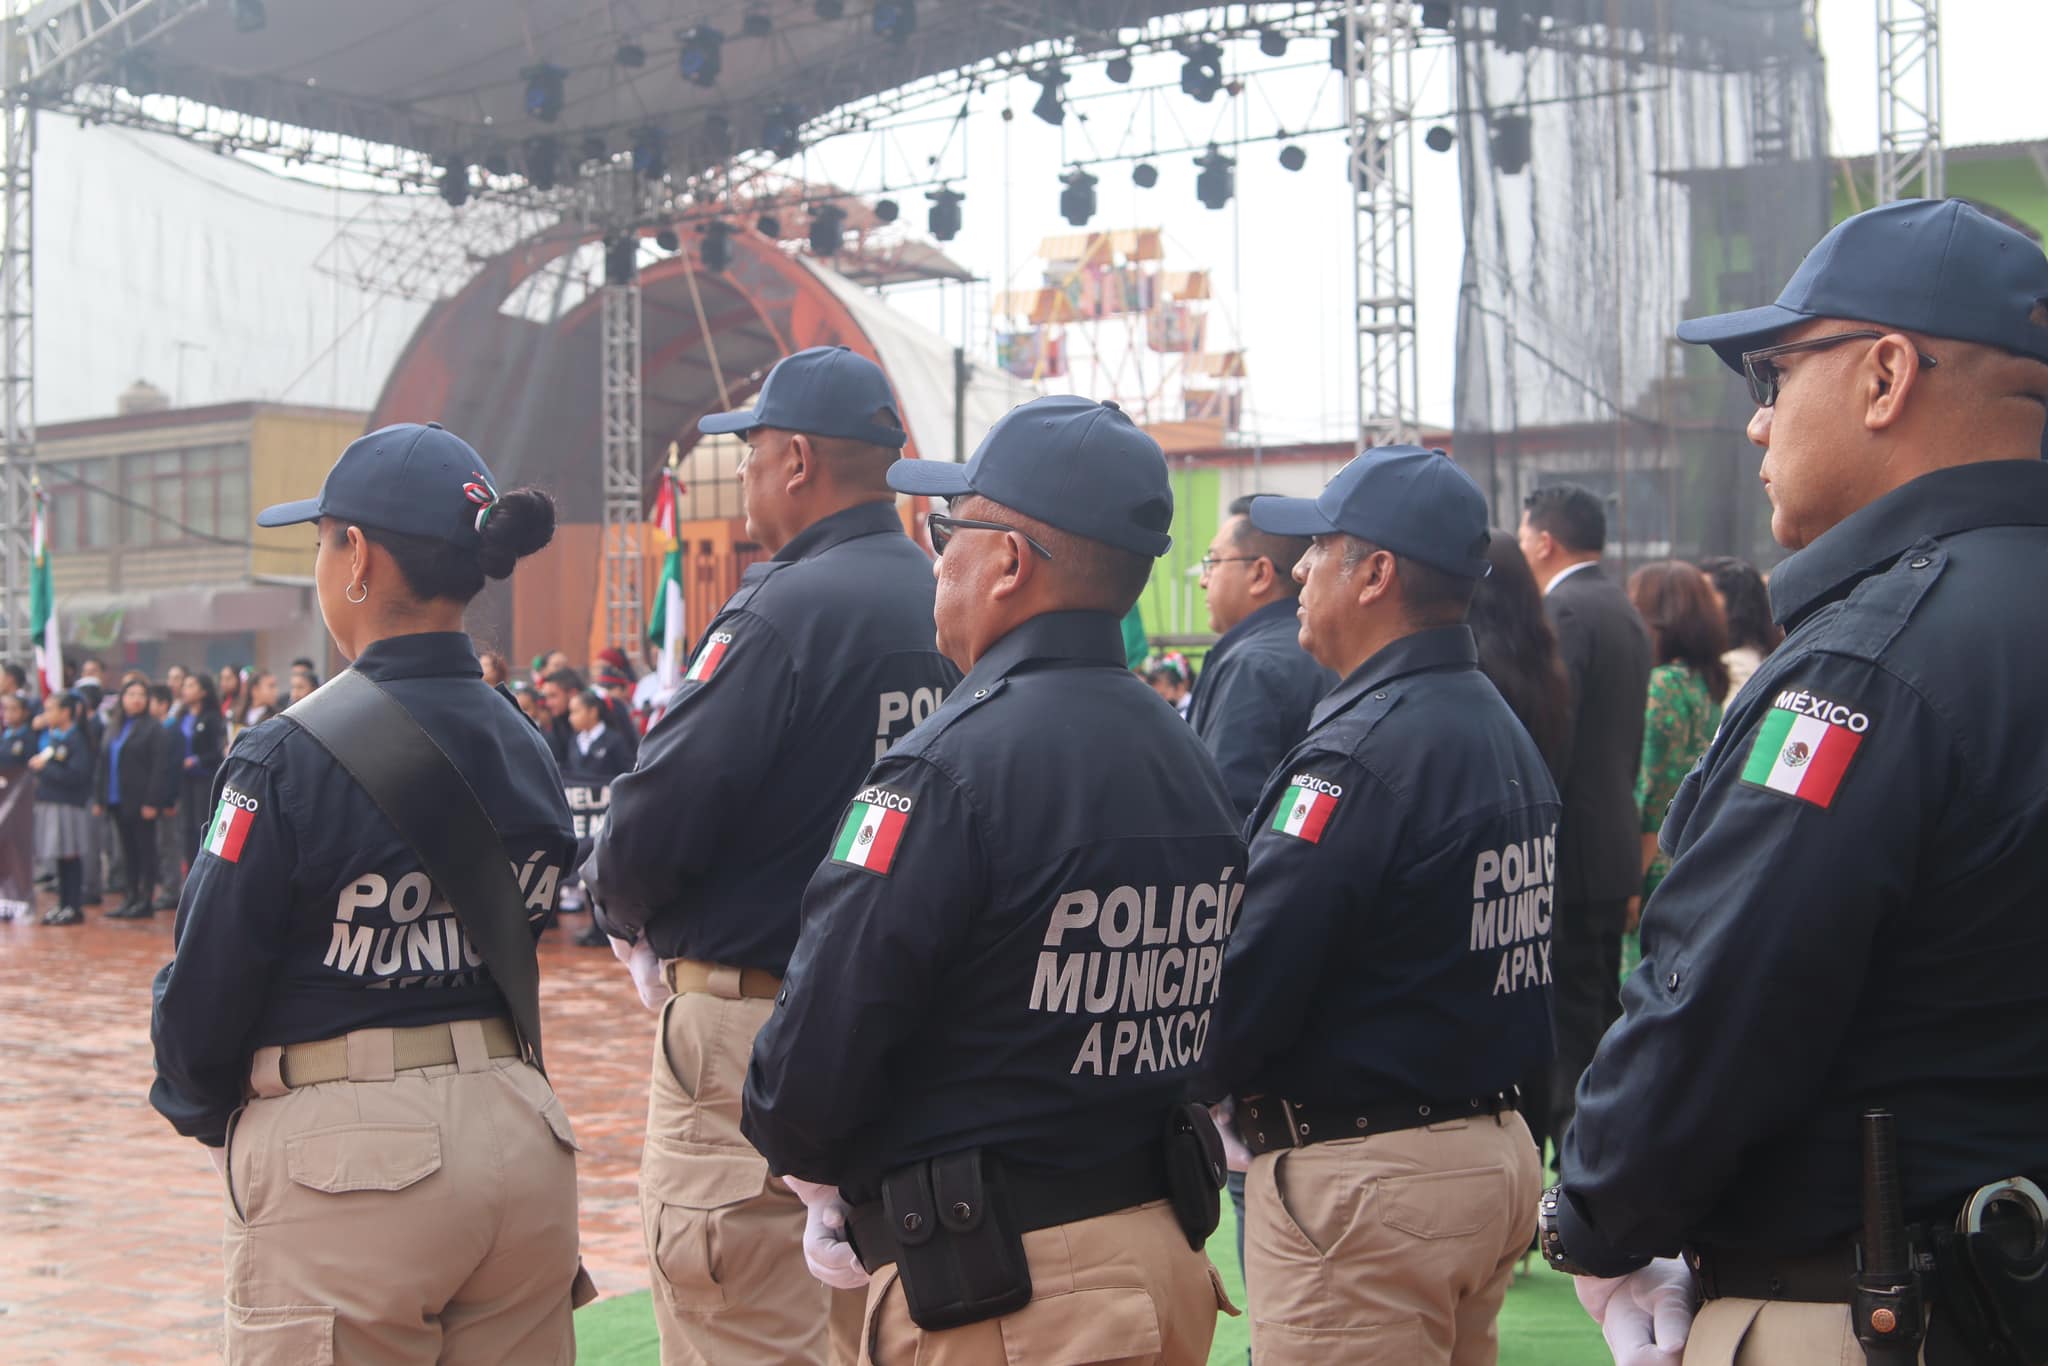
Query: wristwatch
(1548, 1240)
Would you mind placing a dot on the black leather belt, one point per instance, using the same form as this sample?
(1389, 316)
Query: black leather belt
(1824, 1277)
(1036, 1199)
(1267, 1123)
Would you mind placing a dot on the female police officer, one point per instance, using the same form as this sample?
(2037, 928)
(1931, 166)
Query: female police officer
(400, 1182)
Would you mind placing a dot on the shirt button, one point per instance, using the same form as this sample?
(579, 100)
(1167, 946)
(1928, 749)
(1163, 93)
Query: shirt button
(1921, 562)
(981, 692)
(1379, 697)
(1672, 981)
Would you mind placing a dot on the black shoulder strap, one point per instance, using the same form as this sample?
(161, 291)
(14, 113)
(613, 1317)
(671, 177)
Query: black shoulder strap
(432, 806)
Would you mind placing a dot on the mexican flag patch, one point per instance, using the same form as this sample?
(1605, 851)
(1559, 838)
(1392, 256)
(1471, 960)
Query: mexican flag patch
(230, 828)
(1305, 808)
(873, 826)
(708, 658)
(1804, 746)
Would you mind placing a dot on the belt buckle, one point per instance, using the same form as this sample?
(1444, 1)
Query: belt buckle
(1294, 1132)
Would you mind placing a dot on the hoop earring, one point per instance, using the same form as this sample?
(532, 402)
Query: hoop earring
(349, 593)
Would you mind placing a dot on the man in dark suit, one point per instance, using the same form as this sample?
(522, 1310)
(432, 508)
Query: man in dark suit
(1258, 686)
(1606, 651)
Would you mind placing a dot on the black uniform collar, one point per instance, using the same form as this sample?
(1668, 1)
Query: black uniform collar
(1081, 637)
(426, 655)
(1258, 621)
(863, 519)
(1993, 493)
(1439, 647)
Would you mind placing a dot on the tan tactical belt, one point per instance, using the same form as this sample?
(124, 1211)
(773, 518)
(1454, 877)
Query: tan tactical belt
(687, 975)
(306, 1064)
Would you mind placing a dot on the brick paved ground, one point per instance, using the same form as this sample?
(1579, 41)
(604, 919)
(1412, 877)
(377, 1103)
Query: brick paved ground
(110, 1223)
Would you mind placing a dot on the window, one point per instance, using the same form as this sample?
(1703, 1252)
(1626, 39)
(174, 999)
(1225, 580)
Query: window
(179, 496)
(81, 517)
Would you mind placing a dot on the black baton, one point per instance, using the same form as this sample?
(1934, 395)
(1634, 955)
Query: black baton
(1888, 1309)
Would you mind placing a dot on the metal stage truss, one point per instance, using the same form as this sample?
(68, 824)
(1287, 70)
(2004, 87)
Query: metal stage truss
(1909, 156)
(564, 116)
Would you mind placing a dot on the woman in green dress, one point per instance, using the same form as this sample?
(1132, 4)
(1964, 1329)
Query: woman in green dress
(1688, 683)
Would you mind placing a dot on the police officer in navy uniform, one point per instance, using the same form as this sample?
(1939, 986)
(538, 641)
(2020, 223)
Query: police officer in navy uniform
(400, 1182)
(821, 660)
(1389, 978)
(1853, 917)
(1010, 959)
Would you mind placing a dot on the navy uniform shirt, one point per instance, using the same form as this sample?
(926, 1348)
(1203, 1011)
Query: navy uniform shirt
(17, 746)
(1853, 916)
(1018, 940)
(307, 915)
(821, 660)
(1254, 697)
(1395, 943)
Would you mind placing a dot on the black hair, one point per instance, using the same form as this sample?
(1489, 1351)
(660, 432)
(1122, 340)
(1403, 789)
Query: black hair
(17, 674)
(590, 697)
(1429, 596)
(1518, 649)
(522, 521)
(1572, 515)
(303, 664)
(71, 702)
(161, 692)
(1748, 602)
(566, 679)
(1284, 552)
(209, 696)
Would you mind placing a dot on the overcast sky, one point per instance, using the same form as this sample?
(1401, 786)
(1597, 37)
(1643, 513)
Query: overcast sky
(199, 273)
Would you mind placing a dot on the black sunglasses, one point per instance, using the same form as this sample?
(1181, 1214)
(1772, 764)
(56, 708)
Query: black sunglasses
(1764, 377)
(943, 528)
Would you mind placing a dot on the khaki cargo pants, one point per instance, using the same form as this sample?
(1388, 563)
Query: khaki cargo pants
(724, 1239)
(1736, 1332)
(427, 1215)
(1396, 1248)
(1124, 1289)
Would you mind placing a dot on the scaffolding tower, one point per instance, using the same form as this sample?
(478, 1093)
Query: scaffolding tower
(1909, 157)
(1379, 116)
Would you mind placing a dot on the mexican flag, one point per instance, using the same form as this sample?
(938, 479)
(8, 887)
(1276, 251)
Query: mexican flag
(229, 831)
(1800, 756)
(1303, 812)
(666, 627)
(42, 600)
(867, 838)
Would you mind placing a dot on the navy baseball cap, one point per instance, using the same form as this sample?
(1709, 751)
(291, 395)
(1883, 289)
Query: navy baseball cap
(1412, 501)
(1933, 266)
(1068, 461)
(414, 479)
(822, 391)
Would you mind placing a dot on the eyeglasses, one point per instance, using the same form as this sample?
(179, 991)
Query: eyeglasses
(1207, 564)
(1765, 378)
(943, 529)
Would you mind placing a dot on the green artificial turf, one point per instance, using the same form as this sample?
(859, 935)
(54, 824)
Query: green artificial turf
(1541, 1325)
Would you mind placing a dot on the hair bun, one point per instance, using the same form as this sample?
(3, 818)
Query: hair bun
(521, 522)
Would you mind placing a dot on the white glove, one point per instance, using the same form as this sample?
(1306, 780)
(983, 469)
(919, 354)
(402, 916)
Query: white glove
(1235, 1155)
(826, 1250)
(640, 960)
(1646, 1315)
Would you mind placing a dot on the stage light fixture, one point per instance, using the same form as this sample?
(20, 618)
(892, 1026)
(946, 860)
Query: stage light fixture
(249, 16)
(1049, 106)
(1217, 182)
(829, 9)
(650, 152)
(1511, 143)
(1337, 62)
(769, 226)
(701, 55)
(543, 156)
(1293, 157)
(757, 24)
(1118, 68)
(887, 210)
(1144, 175)
(1077, 200)
(1439, 139)
(1201, 75)
(630, 54)
(895, 20)
(1436, 14)
(621, 259)
(828, 223)
(779, 131)
(944, 218)
(667, 240)
(544, 91)
(716, 249)
(1272, 42)
(455, 185)
(497, 162)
